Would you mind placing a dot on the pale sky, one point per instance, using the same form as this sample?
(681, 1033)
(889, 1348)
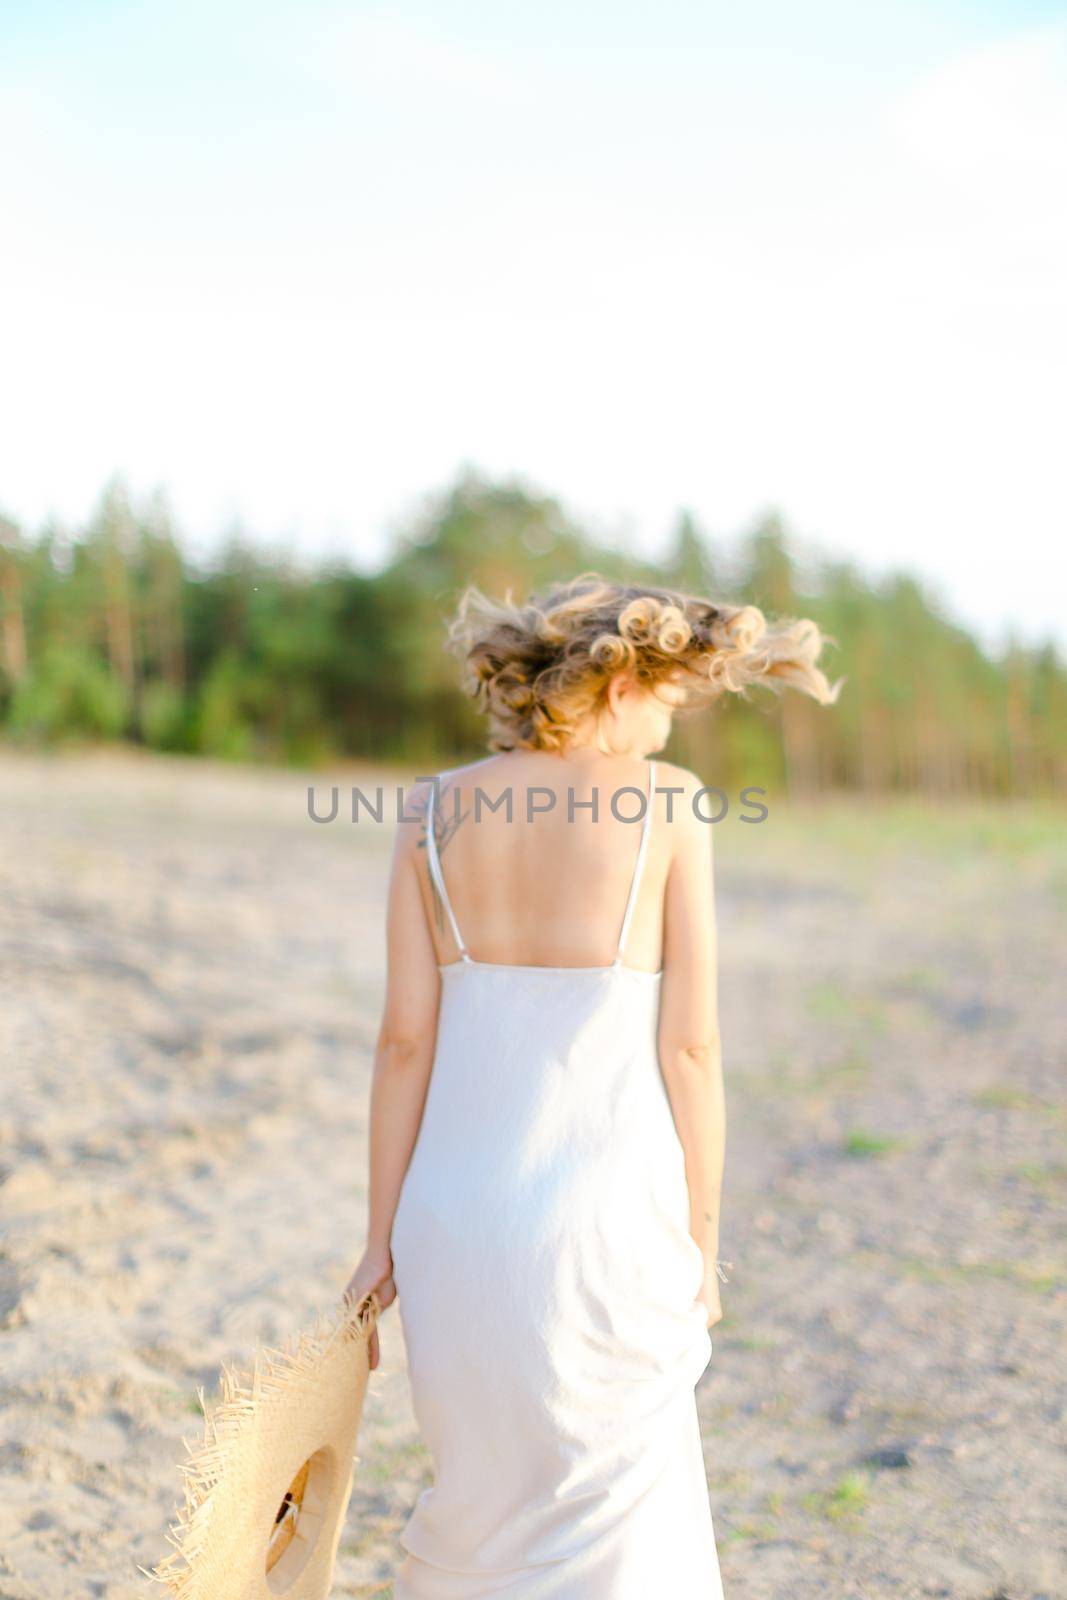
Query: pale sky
(298, 262)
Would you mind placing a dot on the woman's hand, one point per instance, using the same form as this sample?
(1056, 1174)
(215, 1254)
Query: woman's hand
(375, 1271)
(709, 1294)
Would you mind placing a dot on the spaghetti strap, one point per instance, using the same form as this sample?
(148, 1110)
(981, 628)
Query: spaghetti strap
(638, 864)
(434, 863)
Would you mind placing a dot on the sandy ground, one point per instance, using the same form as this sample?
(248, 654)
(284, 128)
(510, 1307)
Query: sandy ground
(191, 977)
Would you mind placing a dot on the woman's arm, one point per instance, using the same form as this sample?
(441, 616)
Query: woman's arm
(402, 1060)
(689, 1047)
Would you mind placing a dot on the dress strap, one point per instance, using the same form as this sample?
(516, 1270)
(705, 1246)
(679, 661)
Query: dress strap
(638, 864)
(434, 863)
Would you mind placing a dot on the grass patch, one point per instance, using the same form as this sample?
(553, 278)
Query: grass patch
(852, 1070)
(832, 1002)
(919, 980)
(953, 830)
(749, 1533)
(860, 1142)
(854, 1066)
(1023, 1274)
(829, 1002)
(755, 1341)
(849, 1496)
(784, 1077)
(1045, 1177)
(1037, 1277)
(845, 1502)
(1008, 1097)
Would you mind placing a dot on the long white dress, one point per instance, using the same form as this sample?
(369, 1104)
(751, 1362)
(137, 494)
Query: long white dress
(547, 1285)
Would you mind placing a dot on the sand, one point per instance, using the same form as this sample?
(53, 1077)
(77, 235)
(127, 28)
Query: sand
(190, 981)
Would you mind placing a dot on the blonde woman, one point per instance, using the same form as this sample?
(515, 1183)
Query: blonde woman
(547, 1120)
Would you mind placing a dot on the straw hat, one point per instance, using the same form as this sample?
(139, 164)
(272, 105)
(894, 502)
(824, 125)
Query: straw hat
(267, 1488)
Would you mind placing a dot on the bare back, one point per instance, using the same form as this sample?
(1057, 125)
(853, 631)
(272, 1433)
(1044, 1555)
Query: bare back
(535, 877)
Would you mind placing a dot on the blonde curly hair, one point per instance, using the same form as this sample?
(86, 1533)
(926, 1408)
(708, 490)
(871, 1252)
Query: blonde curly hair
(538, 669)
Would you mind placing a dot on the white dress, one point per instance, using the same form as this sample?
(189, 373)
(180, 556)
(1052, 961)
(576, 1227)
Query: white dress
(547, 1285)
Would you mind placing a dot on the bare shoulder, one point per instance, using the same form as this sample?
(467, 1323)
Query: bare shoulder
(680, 810)
(678, 785)
(471, 771)
(450, 808)
(463, 778)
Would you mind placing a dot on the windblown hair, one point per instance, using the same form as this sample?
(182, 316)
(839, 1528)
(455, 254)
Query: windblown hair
(537, 669)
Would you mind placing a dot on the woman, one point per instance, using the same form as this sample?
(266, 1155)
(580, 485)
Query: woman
(547, 1121)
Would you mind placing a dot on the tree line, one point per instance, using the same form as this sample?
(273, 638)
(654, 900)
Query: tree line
(116, 632)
